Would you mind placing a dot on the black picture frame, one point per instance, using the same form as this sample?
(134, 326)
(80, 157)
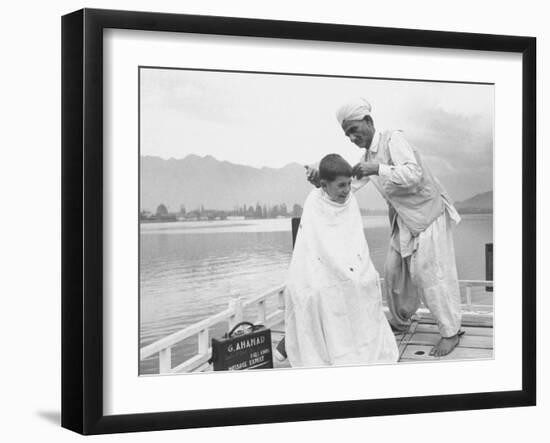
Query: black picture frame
(82, 220)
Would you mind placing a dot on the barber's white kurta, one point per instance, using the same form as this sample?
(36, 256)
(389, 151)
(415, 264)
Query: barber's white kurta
(333, 310)
(418, 268)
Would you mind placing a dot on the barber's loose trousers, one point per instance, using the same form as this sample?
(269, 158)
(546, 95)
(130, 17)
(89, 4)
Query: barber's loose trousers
(428, 274)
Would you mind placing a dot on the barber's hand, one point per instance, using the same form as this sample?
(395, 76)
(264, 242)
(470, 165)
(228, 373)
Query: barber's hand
(364, 169)
(312, 175)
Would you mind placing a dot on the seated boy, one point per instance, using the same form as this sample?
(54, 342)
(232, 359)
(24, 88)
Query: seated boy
(333, 313)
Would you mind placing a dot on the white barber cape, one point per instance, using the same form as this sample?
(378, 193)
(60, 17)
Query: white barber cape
(333, 311)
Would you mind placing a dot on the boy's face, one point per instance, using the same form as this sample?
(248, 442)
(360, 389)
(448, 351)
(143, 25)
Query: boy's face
(338, 189)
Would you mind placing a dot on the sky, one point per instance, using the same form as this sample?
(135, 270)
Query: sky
(271, 120)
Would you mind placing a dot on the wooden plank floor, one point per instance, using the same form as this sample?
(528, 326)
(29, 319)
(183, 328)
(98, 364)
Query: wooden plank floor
(416, 343)
(476, 344)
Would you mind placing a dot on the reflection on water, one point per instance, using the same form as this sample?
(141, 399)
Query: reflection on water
(189, 269)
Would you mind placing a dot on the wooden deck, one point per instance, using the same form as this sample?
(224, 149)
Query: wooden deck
(416, 343)
(268, 309)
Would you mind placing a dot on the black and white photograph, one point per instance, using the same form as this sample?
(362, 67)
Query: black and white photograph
(275, 221)
(307, 221)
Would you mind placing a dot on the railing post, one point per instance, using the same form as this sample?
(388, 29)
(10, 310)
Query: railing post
(281, 299)
(165, 360)
(469, 297)
(489, 265)
(261, 312)
(236, 304)
(203, 341)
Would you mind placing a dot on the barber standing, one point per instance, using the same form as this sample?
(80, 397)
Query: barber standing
(420, 265)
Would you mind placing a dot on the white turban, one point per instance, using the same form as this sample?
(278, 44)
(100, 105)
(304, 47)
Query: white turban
(355, 109)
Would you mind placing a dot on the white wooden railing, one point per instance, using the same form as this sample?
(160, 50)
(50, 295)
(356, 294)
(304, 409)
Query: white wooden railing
(468, 286)
(235, 313)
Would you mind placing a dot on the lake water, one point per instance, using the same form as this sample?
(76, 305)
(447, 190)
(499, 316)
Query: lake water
(189, 269)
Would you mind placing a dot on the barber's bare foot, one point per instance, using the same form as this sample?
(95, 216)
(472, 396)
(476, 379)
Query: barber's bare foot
(445, 346)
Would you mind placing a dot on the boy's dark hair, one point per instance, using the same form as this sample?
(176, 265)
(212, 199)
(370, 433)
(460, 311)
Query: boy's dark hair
(332, 166)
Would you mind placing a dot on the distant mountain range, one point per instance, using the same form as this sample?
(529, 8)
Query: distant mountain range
(204, 181)
(478, 204)
(196, 181)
